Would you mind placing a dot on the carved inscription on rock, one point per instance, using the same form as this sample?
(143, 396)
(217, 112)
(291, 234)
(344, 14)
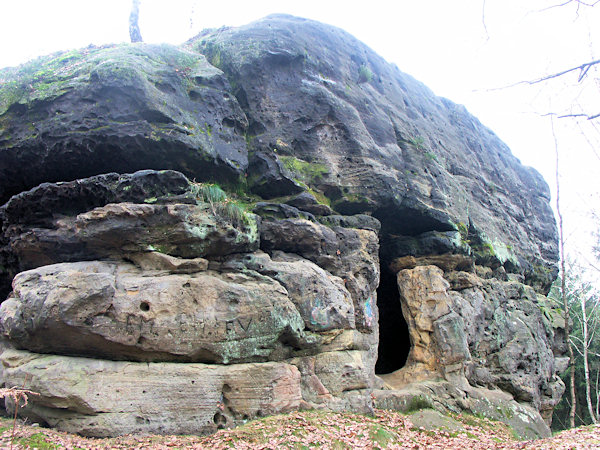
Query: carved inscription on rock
(206, 316)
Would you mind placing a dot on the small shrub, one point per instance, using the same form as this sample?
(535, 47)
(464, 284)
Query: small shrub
(20, 399)
(418, 142)
(364, 74)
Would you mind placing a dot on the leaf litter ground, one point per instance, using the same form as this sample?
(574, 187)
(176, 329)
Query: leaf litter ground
(316, 429)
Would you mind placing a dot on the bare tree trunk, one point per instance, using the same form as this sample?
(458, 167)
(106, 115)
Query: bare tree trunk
(134, 28)
(563, 291)
(586, 367)
(597, 393)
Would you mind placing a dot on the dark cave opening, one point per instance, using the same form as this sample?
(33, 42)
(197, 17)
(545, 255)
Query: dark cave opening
(394, 340)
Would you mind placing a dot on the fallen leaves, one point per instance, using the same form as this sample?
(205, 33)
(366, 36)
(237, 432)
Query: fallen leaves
(318, 429)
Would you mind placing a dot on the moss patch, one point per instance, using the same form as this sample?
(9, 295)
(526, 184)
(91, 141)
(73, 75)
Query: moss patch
(417, 403)
(49, 77)
(38, 441)
(381, 436)
(307, 172)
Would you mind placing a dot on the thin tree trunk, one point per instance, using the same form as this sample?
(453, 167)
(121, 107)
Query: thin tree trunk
(563, 291)
(586, 367)
(134, 28)
(597, 393)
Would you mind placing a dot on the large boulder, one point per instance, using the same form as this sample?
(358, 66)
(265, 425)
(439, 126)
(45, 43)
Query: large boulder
(115, 311)
(389, 231)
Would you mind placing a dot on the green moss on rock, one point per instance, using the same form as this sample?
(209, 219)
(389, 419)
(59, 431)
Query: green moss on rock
(49, 77)
(307, 172)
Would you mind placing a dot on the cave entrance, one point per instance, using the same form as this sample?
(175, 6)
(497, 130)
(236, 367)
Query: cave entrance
(394, 340)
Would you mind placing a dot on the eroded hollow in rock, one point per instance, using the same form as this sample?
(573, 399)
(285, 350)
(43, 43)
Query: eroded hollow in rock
(394, 341)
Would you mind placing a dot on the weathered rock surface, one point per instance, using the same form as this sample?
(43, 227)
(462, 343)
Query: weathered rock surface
(117, 109)
(307, 202)
(114, 311)
(103, 398)
(36, 212)
(175, 282)
(321, 298)
(189, 231)
(68, 227)
(476, 332)
(380, 143)
(383, 211)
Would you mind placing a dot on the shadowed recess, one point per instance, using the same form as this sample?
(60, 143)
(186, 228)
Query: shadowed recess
(394, 341)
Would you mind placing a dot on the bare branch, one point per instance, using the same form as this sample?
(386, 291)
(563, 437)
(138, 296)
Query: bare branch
(483, 20)
(579, 3)
(595, 116)
(577, 350)
(570, 116)
(584, 68)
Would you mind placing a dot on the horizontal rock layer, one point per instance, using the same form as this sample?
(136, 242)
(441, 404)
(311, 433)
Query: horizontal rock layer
(106, 398)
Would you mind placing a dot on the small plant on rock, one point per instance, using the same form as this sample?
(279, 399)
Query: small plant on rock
(209, 193)
(233, 212)
(364, 74)
(418, 142)
(220, 205)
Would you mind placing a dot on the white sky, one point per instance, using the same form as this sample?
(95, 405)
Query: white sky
(461, 49)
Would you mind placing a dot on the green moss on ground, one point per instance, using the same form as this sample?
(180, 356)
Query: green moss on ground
(37, 441)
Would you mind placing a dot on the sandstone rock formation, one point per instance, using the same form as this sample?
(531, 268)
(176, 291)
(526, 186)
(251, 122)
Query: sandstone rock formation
(475, 332)
(177, 280)
(368, 226)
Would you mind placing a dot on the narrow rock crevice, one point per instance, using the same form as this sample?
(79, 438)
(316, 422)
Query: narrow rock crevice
(394, 341)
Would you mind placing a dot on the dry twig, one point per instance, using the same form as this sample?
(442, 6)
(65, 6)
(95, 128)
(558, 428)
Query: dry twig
(17, 395)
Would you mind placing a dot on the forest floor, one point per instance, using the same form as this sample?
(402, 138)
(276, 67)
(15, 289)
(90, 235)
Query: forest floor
(317, 429)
